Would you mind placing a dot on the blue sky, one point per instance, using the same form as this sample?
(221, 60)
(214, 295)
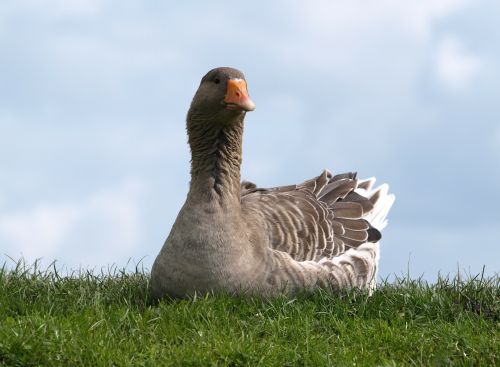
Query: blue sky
(94, 164)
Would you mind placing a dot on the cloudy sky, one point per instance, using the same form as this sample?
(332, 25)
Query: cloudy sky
(94, 164)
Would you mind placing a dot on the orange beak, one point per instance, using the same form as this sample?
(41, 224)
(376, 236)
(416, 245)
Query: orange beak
(237, 98)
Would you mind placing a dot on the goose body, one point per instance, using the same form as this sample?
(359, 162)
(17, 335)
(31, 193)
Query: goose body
(235, 237)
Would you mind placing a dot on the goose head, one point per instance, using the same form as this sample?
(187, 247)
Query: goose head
(222, 96)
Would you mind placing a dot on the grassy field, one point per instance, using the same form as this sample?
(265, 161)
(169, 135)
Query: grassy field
(109, 319)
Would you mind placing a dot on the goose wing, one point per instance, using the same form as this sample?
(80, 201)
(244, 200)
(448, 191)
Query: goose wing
(322, 217)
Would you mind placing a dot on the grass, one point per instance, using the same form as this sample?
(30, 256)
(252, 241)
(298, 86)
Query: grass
(109, 319)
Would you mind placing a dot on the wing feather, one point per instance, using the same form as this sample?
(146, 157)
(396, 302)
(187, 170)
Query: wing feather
(322, 217)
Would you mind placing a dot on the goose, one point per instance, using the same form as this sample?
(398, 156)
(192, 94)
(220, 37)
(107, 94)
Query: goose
(234, 237)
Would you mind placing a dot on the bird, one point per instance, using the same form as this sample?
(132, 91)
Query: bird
(234, 237)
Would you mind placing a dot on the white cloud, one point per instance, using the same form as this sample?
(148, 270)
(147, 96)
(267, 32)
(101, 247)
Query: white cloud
(455, 66)
(103, 228)
(334, 34)
(496, 140)
(413, 17)
(39, 231)
(57, 8)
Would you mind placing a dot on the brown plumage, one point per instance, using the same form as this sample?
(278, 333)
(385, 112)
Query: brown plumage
(303, 220)
(244, 239)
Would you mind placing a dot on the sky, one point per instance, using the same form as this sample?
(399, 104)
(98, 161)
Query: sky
(94, 162)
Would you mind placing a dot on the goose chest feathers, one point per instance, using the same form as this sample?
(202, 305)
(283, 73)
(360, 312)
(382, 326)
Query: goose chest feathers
(232, 236)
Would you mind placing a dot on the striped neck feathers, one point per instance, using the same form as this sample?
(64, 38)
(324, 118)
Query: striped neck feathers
(215, 158)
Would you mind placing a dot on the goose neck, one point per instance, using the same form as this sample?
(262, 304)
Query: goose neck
(215, 160)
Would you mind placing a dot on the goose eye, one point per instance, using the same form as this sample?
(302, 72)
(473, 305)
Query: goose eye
(216, 80)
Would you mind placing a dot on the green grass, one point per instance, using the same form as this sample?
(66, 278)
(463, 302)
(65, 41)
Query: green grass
(109, 319)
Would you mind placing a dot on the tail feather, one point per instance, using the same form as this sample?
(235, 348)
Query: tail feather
(367, 184)
(361, 234)
(382, 202)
